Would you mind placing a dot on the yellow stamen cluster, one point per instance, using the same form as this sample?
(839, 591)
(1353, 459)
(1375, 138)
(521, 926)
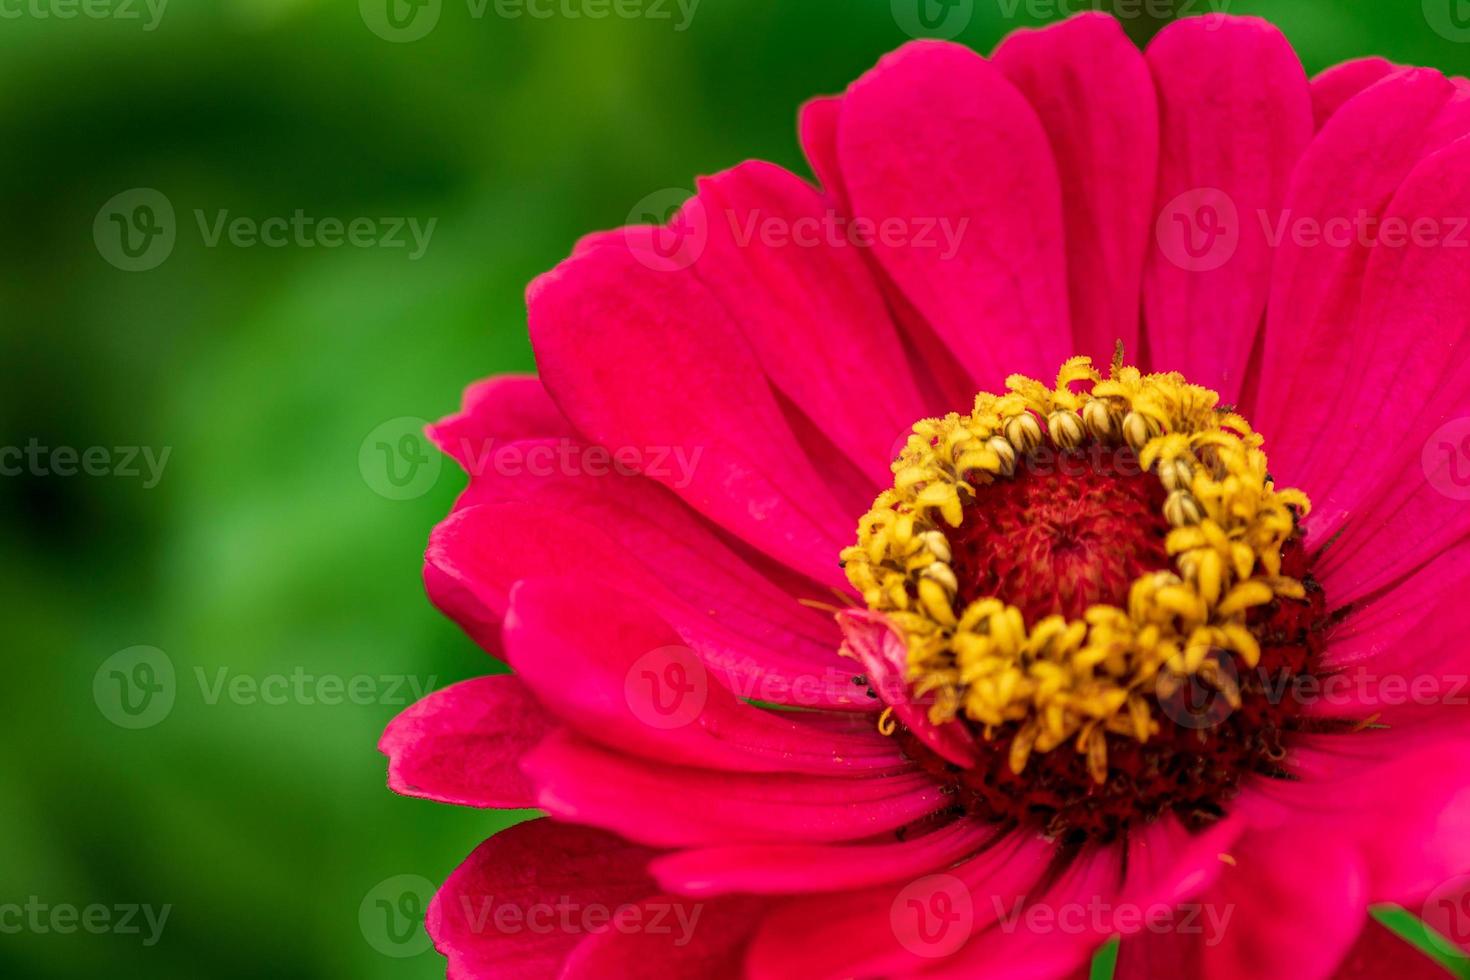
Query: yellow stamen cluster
(1058, 680)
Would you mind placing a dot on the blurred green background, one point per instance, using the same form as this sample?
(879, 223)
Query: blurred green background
(270, 547)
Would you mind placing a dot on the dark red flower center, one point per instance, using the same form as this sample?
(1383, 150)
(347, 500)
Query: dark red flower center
(1069, 531)
(1078, 531)
(1103, 600)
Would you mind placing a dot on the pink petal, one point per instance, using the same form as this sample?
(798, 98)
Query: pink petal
(1380, 952)
(682, 807)
(935, 139)
(817, 124)
(1409, 817)
(1103, 893)
(1235, 116)
(729, 584)
(668, 937)
(497, 915)
(643, 357)
(467, 606)
(1411, 635)
(1169, 863)
(1289, 907)
(1150, 954)
(1403, 657)
(1369, 147)
(1416, 621)
(774, 869)
(788, 263)
(944, 384)
(463, 744)
(903, 926)
(499, 409)
(880, 648)
(635, 686)
(1400, 500)
(479, 553)
(1299, 902)
(1095, 97)
(1338, 84)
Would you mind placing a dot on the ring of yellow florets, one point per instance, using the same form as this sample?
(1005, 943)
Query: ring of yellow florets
(1057, 681)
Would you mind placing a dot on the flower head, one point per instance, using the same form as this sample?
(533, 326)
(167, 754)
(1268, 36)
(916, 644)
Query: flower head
(1033, 535)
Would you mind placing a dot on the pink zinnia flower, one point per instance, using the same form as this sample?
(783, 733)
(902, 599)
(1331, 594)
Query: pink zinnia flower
(1086, 667)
